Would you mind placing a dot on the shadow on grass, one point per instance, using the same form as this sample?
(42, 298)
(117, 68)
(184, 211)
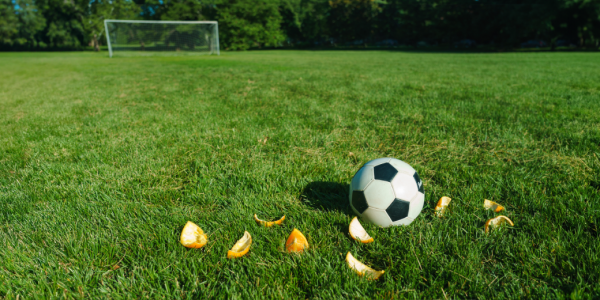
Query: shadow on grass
(327, 196)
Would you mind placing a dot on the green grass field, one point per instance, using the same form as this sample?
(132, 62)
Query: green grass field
(102, 162)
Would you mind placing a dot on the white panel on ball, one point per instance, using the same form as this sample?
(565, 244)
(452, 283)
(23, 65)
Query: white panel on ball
(416, 205)
(378, 161)
(379, 194)
(363, 177)
(404, 186)
(405, 221)
(377, 217)
(402, 167)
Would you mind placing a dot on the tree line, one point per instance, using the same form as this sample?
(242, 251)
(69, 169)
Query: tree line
(244, 24)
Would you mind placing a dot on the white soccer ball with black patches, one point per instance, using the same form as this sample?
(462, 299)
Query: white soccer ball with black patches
(386, 192)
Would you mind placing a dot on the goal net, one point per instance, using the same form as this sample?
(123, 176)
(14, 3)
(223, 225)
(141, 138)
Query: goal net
(133, 37)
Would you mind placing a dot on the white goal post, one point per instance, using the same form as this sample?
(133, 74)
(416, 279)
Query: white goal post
(142, 37)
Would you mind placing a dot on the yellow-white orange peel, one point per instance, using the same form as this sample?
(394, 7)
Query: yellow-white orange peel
(442, 205)
(268, 224)
(192, 236)
(488, 204)
(497, 221)
(296, 242)
(241, 247)
(361, 269)
(358, 233)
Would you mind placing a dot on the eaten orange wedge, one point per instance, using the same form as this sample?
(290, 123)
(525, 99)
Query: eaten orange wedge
(268, 224)
(497, 221)
(488, 204)
(441, 206)
(358, 233)
(241, 247)
(296, 242)
(192, 236)
(361, 269)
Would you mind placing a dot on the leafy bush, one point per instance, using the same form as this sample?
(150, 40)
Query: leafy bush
(246, 23)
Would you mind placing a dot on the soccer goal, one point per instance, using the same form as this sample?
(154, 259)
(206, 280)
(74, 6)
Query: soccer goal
(134, 37)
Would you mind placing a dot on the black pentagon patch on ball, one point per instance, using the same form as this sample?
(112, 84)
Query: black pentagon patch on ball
(419, 182)
(398, 210)
(359, 202)
(385, 172)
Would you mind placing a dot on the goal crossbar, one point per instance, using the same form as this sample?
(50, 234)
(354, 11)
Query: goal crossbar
(214, 23)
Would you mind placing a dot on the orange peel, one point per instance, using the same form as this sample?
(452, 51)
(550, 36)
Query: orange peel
(361, 269)
(497, 221)
(442, 205)
(358, 233)
(296, 242)
(488, 204)
(268, 224)
(192, 236)
(241, 247)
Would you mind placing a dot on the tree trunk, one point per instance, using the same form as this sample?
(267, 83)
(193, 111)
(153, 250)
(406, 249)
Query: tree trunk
(95, 41)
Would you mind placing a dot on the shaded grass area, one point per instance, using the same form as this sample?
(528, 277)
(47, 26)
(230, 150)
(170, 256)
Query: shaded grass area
(102, 161)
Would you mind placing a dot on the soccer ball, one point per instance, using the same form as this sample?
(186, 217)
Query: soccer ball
(386, 192)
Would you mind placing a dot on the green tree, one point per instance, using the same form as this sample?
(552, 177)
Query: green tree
(352, 20)
(577, 21)
(186, 10)
(510, 23)
(64, 22)
(305, 22)
(8, 22)
(247, 23)
(21, 24)
(31, 23)
(100, 10)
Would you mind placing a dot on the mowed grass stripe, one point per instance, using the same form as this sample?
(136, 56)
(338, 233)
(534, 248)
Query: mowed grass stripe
(102, 162)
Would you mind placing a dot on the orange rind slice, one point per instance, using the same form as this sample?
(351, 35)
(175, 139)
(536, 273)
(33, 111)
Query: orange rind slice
(268, 224)
(241, 247)
(441, 206)
(497, 221)
(296, 242)
(192, 236)
(358, 233)
(488, 204)
(361, 269)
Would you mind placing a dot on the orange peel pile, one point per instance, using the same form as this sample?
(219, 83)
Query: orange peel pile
(442, 205)
(296, 242)
(192, 236)
(488, 204)
(361, 269)
(268, 224)
(497, 221)
(241, 247)
(358, 233)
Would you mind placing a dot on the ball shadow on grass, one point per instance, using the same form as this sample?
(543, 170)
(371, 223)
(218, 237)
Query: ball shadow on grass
(328, 197)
